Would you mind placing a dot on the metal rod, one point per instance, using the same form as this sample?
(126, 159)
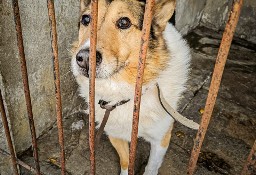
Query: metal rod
(8, 135)
(139, 81)
(56, 71)
(17, 20)
(93, 43)
(250, 166)
(215, 83)
(21, 163)
(26, 166)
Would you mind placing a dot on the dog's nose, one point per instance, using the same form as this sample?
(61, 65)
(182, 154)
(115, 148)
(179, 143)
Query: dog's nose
(82, 58)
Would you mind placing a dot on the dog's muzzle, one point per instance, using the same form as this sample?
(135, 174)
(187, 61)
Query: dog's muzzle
(82, 60)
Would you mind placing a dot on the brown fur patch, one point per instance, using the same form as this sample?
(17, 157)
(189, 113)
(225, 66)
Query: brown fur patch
(122, 149)
(166, 139)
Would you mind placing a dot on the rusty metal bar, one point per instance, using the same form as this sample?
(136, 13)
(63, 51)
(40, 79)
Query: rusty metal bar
(215, 83)
(93, 43)
(26, 166)
(56, 71)
(18, 161)
(139, 81)
(17, 20)
(250, 166)
(8, 135)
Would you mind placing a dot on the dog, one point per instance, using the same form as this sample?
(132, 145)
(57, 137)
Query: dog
(118, 45)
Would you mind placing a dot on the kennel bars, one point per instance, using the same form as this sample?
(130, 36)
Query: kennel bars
(17, 20)
(92, 75)
(56, 72)
(139, 80)
(212, 95)
(8, 135)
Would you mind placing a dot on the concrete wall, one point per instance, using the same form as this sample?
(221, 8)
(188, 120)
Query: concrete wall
(188, 14)
(215, 15)
(37, 43)
(5, 160)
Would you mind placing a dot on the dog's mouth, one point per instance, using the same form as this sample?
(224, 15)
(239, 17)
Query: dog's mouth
(84, 72)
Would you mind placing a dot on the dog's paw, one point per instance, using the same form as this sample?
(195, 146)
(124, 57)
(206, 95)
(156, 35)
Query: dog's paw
(150, 171)
(124, 172)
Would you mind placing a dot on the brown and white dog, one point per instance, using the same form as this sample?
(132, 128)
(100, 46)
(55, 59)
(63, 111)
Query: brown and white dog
(118, 43)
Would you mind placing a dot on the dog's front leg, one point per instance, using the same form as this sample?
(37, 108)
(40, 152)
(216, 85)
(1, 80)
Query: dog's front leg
(122, 149)
(157, 152)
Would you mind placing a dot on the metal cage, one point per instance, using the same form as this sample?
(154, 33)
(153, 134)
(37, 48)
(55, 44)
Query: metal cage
(212, 95)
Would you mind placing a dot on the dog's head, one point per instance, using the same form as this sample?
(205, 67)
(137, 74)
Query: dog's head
(119, 37)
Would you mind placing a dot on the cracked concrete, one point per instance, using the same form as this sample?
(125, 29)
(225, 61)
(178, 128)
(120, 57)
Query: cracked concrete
(229, 138)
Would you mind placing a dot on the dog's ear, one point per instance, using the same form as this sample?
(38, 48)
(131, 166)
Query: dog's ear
(163, 11)
(84, 4)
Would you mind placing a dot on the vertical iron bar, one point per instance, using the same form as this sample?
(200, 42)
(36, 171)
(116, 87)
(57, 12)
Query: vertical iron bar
(215, 83)
(56, 71)
(139, 81)
(93, 43)
(17, 20)
(8, 135)
(250, 166)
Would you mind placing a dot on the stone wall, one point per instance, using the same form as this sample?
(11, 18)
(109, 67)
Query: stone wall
(37, 44)
(188, 14)
(5, 161)
(215, 15)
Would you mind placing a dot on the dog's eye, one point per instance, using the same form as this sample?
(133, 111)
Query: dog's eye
(123, 23)
(86, 19)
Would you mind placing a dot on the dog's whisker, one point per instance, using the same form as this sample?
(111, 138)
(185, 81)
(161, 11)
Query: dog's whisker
(69, 50)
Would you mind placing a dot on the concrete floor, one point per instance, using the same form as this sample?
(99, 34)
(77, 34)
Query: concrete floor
(229, 138)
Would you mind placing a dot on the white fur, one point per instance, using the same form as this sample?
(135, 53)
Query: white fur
(86, 44)
(157, 153)
(154, 121)
(124, 172)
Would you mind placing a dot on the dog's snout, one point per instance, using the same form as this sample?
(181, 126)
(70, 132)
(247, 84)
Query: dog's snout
(82, 58)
